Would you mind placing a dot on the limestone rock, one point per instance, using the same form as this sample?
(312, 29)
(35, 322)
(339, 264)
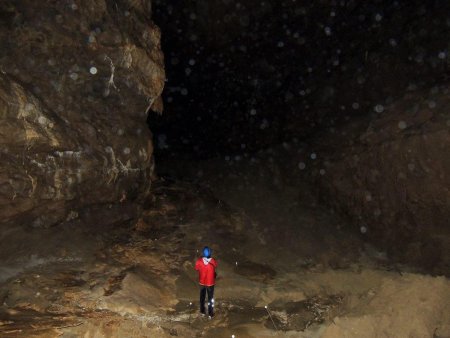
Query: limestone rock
(390, 174)
(76, 81)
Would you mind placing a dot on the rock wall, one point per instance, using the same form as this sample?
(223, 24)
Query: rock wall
(390, 174)
(77, 78)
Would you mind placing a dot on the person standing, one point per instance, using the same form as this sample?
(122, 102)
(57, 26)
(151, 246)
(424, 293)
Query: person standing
(206, 267)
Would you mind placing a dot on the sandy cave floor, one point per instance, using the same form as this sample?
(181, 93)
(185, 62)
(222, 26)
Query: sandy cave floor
(138, 280)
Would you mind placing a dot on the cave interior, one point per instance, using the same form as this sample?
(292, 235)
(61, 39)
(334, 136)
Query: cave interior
(305, 142)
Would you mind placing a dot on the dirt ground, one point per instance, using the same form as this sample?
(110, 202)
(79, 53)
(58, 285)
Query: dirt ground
(137, 280)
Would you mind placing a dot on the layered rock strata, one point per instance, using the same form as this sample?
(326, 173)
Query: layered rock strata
(77, 79)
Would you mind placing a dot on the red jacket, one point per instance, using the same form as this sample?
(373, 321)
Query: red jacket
(206, 268)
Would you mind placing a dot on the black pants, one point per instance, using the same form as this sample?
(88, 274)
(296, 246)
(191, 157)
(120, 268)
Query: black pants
(210, 291)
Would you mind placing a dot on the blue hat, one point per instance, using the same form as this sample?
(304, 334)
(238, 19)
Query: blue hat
(207, 252)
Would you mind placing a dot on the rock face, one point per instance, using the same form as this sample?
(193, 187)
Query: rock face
(390, 174)
(76, 81)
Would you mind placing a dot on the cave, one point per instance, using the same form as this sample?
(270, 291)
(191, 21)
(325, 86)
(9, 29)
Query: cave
(300, 146)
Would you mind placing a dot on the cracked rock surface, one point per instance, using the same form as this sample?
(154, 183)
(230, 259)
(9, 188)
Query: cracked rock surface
(76, 81)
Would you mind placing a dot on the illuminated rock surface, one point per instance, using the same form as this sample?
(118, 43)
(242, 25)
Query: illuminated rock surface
(139, 280)
(76, 81)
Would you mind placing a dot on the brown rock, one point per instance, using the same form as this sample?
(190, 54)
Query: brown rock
(393, 182)
(76, 81)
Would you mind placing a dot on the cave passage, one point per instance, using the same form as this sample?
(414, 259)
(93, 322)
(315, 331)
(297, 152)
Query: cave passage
(305, 142)
(343, 97)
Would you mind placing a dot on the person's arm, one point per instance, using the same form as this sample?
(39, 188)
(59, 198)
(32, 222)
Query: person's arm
(197, 265)
(214, 264)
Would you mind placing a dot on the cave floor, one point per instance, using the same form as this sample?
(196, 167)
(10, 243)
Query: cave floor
(138, 280)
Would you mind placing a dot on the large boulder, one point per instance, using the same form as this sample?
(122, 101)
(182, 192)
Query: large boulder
(77, 79)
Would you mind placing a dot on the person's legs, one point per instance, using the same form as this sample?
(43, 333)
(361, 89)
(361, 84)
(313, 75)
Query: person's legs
(202, 298)
(211, 304)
